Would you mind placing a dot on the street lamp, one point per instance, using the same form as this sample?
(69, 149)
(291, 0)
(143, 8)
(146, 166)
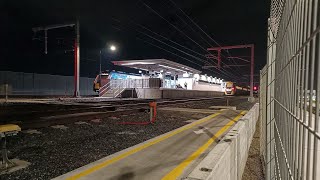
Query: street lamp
(112, 48)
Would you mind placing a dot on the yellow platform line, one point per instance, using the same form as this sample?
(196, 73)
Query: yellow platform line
(139, 148)
(176, 172)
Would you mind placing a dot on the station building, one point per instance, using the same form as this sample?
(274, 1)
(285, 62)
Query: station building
(160, 78)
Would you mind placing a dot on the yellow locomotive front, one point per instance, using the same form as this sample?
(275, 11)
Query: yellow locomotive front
(230, 89)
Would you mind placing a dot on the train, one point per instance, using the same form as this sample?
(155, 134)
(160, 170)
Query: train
(104, 78)
(231, 89)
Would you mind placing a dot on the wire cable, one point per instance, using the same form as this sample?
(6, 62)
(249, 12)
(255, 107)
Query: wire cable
(202, 30)
(175, 27)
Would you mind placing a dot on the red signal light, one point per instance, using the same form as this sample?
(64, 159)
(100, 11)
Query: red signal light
(254, 88)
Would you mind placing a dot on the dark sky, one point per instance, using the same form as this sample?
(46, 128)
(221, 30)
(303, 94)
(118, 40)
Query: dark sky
(133, 26)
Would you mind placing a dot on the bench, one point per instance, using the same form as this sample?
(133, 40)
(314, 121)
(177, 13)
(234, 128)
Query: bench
(6, 131)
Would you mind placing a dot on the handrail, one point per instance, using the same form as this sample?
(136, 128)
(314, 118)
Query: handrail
(103, 88)
(105, 85)
(118, 89)
(115, 87)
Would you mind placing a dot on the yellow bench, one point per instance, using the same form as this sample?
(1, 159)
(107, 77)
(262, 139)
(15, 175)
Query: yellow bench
(7, 130)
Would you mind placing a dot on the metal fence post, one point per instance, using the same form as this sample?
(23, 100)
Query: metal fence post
(6, 92)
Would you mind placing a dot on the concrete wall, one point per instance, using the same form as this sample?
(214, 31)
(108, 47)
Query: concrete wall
(32, 84)
(149, 93)
(180, 93)
(192, 84)
(207, 87)
(228, 158)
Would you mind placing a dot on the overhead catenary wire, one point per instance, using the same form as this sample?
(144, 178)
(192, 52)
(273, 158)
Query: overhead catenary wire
(186, 35)
(181, 19)
(174, 54)
(238, 69)
(169, 39)
(226, 73)
(144, 27)
(199, 59)
(218, 69)
(192, 21)
(169, 52)
(175, 27)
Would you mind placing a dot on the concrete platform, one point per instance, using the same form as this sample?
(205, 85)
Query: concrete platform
(203, 111)
(228, 158)
(170, 156)
(163, 93)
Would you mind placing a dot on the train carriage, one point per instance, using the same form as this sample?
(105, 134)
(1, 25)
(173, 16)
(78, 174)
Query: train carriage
(231, 89)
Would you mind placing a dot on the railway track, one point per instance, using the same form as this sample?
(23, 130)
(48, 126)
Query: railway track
(44, 115)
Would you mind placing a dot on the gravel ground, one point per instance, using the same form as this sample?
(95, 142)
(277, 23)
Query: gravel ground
(254, 168)
(55, 151)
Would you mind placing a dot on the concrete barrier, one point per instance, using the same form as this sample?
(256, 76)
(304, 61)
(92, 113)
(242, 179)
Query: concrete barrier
(182, 93)
(156, 93)
(227, 160)
(149, 93)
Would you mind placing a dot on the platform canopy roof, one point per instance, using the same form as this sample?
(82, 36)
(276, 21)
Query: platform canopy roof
(157, 65)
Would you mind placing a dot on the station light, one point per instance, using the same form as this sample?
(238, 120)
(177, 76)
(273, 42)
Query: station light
(185, 75)
(137, 63)
(113, 48)
(168, 67)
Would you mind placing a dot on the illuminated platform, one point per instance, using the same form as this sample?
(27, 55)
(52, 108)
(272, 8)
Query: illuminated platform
(163, 93)
(158, 65)
(161, 78)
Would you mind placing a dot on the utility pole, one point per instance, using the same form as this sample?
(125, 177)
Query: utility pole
(251, 73)
(100, 63)
(77, 61)
(218, 49)
(76, 49)
(100, 52)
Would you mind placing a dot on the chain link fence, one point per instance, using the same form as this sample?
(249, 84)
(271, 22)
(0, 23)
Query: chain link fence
(31, 84)
(289, 92)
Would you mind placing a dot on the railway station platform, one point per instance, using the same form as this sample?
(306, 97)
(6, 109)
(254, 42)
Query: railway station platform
(172, 155)
(163, 93)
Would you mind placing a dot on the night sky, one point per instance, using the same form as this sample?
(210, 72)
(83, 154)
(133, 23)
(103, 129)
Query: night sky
(134, 26)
